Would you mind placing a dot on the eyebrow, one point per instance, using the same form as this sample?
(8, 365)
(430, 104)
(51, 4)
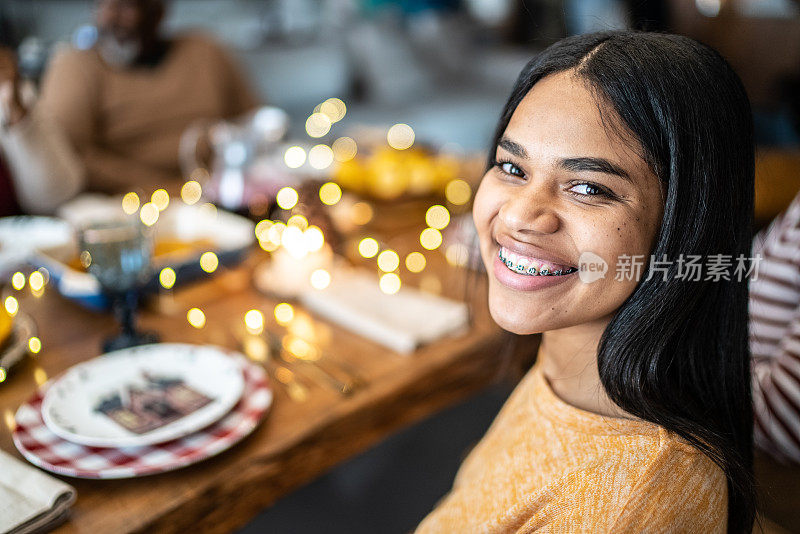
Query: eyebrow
(591, 164)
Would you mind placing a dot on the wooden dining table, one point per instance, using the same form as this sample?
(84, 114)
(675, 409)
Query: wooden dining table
(300, 438)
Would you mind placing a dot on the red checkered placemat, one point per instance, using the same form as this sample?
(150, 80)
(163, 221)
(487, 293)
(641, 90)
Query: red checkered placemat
(44, 449)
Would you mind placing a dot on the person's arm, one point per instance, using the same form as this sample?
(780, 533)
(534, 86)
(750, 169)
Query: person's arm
(44, 169)
(775, 337)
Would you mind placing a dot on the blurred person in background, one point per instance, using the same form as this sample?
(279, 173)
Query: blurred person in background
(38, 169)
(775, 336)
(125, 102)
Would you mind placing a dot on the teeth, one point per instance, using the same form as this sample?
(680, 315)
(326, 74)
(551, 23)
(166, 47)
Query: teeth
(530, 266)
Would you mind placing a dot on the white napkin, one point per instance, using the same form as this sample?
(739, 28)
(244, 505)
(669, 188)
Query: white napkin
(30, 500)
(401, 322)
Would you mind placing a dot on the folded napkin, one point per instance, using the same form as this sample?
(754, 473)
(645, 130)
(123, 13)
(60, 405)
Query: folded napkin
(401, 322)
(30, 500)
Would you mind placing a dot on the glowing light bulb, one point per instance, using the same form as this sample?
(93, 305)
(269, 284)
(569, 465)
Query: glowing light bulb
(287, 198)
(330, 193)
(344, 149)
(149, 214)
(35, 345)
(12, 305)
(430, 238)
(18, 280)
(209, 262)
(318, 124)
(191, 192)
(254, 321)
(160, 198)
(36, 281)
(415, 262)
(130, 203)
(167, 277)
(400, 136)
(437, 217)
(389, 283)
(320, 157)
(294, 157)
(388, 261)
(368, 247)
(196, 317)
(284, 313)
(458, 192)
(320, 279)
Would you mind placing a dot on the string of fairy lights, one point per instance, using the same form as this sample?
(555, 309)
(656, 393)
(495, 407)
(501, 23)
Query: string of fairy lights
(296, 235)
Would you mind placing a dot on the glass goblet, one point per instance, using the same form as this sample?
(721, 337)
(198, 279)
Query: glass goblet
(118, 253)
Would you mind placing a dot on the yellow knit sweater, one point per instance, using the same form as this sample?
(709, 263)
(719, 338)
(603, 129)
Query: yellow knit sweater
(547, 466)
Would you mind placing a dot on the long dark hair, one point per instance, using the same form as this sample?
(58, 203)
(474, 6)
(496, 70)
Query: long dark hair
(676, 352)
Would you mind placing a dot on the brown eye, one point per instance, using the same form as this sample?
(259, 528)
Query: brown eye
(586, 189)
(511, 169)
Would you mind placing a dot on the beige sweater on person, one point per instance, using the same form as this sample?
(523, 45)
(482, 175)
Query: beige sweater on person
(126, 124)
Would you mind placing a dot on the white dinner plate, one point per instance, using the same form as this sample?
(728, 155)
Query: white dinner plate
(143, 395)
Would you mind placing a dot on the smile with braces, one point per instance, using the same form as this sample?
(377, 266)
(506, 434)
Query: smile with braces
(522, 268)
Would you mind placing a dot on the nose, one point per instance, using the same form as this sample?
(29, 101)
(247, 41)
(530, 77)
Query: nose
(530, 213)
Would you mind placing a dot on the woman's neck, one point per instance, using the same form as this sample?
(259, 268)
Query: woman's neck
(568, 359)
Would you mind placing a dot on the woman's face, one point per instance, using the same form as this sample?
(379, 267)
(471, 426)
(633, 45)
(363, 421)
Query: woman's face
(564, 187)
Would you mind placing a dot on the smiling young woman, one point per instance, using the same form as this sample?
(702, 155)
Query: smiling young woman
(637, 415)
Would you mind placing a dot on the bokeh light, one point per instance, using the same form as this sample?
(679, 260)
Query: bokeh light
(458, 192)
(130, 203)
(368, 247)
(286, 198)
(35, 345)
(167, 277)
(196, 317)
(18, 280)
(400, 136)
(191, 192)
(36, 281)
(318, 124)
(457, 254)
(437, 217)
(313, 239)
(320, 279)
(344, 149)
(149, 214)
(361, 213)
(430, 238)
(11, 305)
(254, 321)
(284, 313)
(330, 193)
(415, 262)
(388, 261)
(334, 109)
(262, 229)
(292, 240)
(3, 375)
(39, 376)
(209, 262)
(298, 221)
(390, 283)
(320, 157)
(294, 157)
(160, 198)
